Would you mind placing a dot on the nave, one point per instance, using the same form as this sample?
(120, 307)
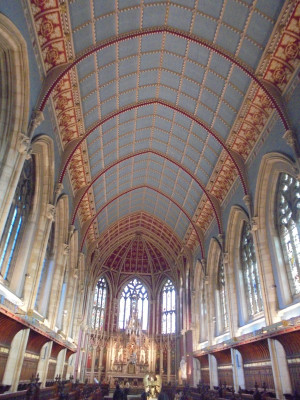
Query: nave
(150, 197)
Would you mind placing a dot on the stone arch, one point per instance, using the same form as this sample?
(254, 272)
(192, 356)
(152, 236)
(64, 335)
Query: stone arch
(236, 219)
(265, 209)
(31, 248)
(14, 110)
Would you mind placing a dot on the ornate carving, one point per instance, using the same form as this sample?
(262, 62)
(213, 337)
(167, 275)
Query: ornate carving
(50, 212)
(66, 250)
(290, 138)
(254, 224)
(248, 202)
(58, 189)
(36, 118)
(24, 147)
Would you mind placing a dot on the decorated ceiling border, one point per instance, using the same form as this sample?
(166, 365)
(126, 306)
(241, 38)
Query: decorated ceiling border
(276, 67)
(52, 28)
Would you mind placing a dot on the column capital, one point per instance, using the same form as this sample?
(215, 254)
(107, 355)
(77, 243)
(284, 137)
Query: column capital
(58, 189)
(290, 138)
(66, 250)
(50, 212)
(24, 145)
(248, 202)
(37, 117)
(254, 224)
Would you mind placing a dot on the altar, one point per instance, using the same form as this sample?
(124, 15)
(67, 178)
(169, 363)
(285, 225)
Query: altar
(130, 351)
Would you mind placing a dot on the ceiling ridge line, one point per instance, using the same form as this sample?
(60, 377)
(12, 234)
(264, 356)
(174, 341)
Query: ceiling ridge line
(209, 196)
(90, 222)
(49, 86)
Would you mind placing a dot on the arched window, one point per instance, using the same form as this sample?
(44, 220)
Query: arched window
(99, 304)
(222, 309)
(250, 272)
(288, 223)
(168, 322)
(134, 290)
(17, 217)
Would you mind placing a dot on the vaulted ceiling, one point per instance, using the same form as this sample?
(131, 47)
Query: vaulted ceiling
(159, 104)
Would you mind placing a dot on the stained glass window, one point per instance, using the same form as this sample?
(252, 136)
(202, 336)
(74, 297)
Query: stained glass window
(17, 217)
(99, 303)
(288, 222)
(134, 291)
(250, 272)
(168, 324)
(222, 296)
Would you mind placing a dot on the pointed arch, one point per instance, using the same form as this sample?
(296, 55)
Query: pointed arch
(277, 269)
(14, 110)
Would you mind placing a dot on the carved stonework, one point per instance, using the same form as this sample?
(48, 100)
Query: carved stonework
(66, 250)
(36, 118)
(58, 189)
(50, 212)
(24, 147)
(248, 202)
(254, 224)
(290, 138)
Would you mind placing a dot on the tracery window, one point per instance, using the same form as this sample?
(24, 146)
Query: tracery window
(99, 304)
(132, 291)
(222, 296)
(168, 324)
(250, 272)
(288, 223)
(17, 217)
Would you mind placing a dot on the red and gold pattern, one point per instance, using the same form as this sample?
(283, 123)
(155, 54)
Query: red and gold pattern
(53, 37)
(49, 28)
(286, 56)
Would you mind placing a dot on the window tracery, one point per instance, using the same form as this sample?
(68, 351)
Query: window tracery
(17, 218)
(134, 289)
(288, 223)
(168, 324)
(250, 272)
(99, 304)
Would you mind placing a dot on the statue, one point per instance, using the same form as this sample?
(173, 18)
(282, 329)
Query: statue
(142, 356)
(120, 354)
(183, 368)
(152, 386)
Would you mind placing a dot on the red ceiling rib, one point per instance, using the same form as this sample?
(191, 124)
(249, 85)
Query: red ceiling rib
(152, 31)
(143, 104)
(160, 155)
(136, 188)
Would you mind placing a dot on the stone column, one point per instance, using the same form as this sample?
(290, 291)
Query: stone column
(93, 364)
(15, 360)
(237, 370)
(43, 364)
(161, 358)
(60, 363)
(169, 362)
(100, 362)
(213, 371)
(280, 369)
(291, 140)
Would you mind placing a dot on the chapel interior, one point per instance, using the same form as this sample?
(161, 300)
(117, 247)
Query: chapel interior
(150, 195)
